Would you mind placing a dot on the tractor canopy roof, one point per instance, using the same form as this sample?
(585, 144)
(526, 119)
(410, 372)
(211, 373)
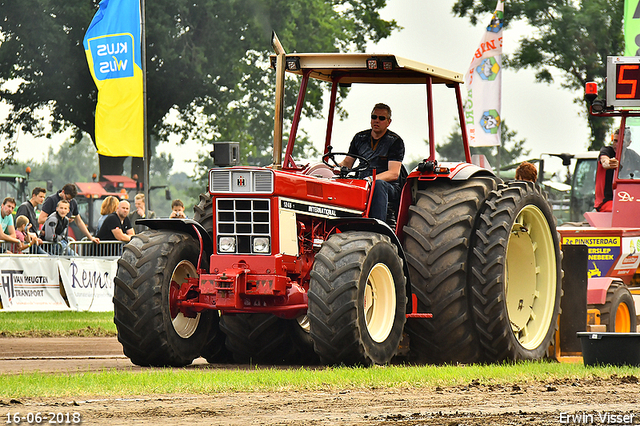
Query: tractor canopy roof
(367, 68)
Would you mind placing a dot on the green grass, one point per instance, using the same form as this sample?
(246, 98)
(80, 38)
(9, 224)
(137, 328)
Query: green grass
(211, 381)
(50, 324)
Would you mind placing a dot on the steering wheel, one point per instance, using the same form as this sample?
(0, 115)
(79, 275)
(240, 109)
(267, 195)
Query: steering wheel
(329, 159)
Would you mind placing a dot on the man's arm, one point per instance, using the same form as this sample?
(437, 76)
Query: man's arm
(83, 229)
(393, 173)
(121, 236)
(347, 162)
(42, 218)
(10, 235)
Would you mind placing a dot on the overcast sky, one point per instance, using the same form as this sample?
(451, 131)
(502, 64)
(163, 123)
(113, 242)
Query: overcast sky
(544, 115)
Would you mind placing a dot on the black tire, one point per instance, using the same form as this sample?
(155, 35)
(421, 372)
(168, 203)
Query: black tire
(259, 339)
(618, 312)
(357, 299)
(436, 244)
(146, 329)
(203, 212)
(516, 274)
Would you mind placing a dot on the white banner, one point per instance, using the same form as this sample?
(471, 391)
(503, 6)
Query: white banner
(30, 284)
(484, 86)
(88, 283)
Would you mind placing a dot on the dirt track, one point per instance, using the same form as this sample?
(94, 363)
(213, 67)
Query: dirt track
(531, 404)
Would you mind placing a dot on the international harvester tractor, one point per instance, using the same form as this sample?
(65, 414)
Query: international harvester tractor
(283, 264)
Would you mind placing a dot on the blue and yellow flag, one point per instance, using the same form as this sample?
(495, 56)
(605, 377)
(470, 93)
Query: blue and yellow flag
(112, 44)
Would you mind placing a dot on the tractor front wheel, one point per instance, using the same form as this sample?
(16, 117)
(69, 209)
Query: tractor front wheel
(618, 312)
(357, 299)
(153, 332)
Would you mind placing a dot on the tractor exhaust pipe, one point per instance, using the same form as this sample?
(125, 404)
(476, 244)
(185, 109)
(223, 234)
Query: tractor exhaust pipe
(279, 108)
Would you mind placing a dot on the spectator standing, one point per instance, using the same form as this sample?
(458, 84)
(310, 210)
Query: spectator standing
(7, 230)
(140, 213)
(177, 210)
(28, 209)
(117, 226)
(108, 206)
(67, 193)
(56, 229)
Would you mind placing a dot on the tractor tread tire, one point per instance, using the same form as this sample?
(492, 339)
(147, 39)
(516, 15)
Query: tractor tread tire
(488, 273)
(616, 294)
(141, 303)
(336, 299)
(436, 242)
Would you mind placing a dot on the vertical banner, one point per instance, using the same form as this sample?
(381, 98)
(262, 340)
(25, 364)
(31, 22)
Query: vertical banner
(632, 28)
(484, 85)
(113, 48)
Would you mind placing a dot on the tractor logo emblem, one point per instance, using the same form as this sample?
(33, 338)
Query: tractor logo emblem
(242, 181)
(488, 69)
(496, 22)
(490, 121)
(624, 196)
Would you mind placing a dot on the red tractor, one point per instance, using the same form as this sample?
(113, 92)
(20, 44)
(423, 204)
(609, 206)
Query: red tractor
(282, 264)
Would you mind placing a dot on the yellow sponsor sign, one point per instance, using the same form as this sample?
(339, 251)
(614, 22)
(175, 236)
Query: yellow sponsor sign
(592, 241)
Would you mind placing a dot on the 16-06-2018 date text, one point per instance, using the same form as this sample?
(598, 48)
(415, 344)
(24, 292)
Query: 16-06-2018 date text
(43, 418)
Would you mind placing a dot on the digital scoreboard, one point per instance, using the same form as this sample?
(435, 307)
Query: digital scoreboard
(623, 81)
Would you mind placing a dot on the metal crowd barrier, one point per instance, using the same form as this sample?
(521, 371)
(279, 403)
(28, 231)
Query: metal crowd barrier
(105, 249)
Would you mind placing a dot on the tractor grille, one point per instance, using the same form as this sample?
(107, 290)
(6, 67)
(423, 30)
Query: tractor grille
(244, 219)
(241, 181)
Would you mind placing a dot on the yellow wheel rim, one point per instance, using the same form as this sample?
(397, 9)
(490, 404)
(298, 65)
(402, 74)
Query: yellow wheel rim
(379, 302)
(531, 279)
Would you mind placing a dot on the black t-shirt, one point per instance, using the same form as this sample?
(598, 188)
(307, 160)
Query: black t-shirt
(390, 147)
(51, 202)
(27, 209)
(110, 223)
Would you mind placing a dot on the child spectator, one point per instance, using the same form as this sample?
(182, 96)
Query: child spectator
(56, 229)
(177, 210)
(22, 234)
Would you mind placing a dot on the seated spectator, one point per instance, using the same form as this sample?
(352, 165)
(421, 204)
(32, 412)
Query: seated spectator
(140, 212)
(108, 206)
(56, 229)
(527, 171)
(117, 226)
(177, 210)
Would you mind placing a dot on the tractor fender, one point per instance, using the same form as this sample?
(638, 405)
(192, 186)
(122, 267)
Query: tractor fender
(369, 224)
(597, 289)
(188, 226)
(469, 171)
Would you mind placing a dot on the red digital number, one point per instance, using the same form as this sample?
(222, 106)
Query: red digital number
(622, 81)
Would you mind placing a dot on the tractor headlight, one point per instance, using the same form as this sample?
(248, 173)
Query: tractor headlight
(227, 245)
(261, 245)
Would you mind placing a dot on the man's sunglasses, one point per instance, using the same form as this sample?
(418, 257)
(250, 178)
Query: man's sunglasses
(378, 117)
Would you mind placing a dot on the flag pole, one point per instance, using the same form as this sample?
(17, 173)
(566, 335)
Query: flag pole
(143, 52)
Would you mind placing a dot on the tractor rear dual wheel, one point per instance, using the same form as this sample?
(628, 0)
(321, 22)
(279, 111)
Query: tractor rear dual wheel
(515, 274)
(437, 245)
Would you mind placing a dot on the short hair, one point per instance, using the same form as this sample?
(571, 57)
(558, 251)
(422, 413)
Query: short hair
(21, 220)
(9, 200)
(177, 203)
(70, 189)
(62, 202)
(527, 171)
(37, 190)
(109, 205)
(384, 107)
(139, 196)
